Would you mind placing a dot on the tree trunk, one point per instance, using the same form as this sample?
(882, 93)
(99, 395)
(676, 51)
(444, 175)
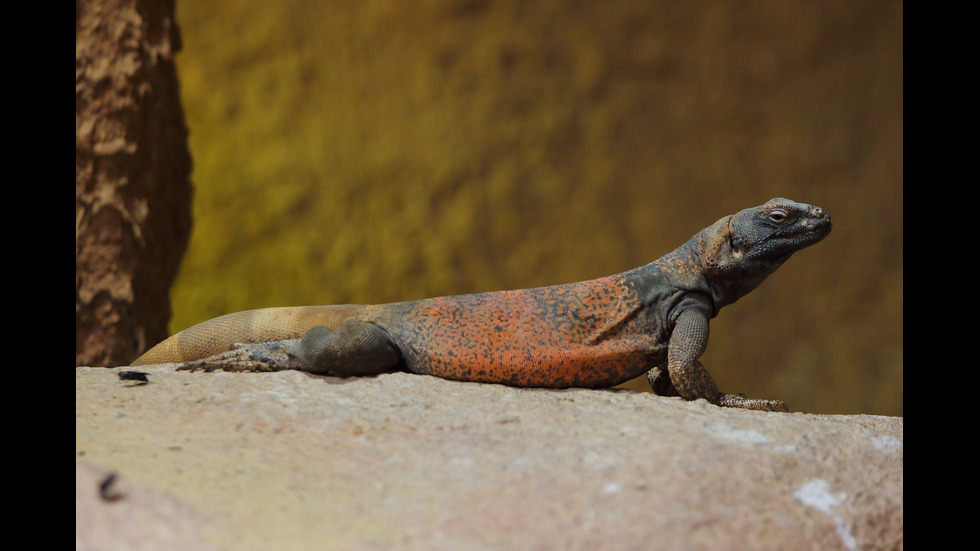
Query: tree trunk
(132, 177)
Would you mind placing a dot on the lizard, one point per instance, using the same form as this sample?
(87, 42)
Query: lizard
(592, 334)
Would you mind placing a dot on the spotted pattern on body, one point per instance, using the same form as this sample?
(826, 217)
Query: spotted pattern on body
(587, 334)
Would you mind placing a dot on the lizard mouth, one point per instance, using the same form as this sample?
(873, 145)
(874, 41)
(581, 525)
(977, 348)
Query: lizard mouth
(816, 227)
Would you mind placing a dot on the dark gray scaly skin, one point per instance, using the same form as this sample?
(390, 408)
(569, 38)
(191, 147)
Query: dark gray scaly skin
(598, 333)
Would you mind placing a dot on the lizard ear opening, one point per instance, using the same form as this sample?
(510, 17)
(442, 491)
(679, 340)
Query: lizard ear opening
(719, 244)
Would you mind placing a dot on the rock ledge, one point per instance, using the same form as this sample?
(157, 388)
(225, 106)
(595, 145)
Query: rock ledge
(295, 461)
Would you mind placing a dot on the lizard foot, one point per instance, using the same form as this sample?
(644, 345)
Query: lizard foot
(660, 382)
(257, 357)
(740, 401)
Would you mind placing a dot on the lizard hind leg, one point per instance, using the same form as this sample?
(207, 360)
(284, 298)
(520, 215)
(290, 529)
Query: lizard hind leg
(354, 348)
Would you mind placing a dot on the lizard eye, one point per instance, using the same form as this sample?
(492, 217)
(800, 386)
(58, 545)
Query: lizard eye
(778, 216)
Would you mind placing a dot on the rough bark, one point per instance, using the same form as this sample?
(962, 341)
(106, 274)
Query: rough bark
(132, 176)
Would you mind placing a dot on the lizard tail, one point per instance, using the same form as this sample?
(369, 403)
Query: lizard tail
(266, 324)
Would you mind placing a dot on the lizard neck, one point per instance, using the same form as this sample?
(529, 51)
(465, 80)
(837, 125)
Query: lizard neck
(701, 274)
(673, 283)
(728, 274)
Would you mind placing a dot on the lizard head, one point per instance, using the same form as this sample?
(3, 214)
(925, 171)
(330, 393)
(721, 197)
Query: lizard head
(776, 230)
(741, 250)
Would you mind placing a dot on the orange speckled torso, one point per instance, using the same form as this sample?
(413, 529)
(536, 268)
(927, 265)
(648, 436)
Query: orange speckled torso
(588, 334)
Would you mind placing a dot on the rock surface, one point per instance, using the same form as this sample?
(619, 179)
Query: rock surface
(294, 461)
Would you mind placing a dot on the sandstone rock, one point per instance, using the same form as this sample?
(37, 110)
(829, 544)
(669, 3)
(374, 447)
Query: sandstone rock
(112, 513)
(295, 461)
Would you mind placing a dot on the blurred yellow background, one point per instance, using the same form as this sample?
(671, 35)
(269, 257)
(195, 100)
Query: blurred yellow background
(377, 151)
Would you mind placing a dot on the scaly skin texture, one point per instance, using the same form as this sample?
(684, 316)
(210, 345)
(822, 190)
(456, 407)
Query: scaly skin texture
(598, 333)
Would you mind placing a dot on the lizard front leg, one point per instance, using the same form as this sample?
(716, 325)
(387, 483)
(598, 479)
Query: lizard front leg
(355, 348)
(685, 375)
